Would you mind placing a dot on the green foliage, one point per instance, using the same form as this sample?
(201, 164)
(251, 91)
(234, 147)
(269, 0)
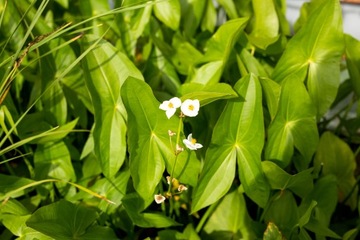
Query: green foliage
(101, 135)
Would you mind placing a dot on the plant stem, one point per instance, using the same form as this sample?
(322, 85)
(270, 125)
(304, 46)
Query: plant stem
(176, 151)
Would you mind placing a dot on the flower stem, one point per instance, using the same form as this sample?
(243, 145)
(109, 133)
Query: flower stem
(177, 152)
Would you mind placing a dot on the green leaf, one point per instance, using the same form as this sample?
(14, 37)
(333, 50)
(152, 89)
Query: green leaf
(335, 157)
(192, 15)
(218, 50)
(271, 92)
(134, 204)
(106, 70)
(293, 126)
(9, 183)
(301, 184)
(272, 232)
(207, 93)
(148, 136)
(169, 13)
(352, 50)
(231, 217)
(318, 228)
(238, 134)
(64, 220)
(305, 218)
(325, 195)
(282, 211)
(53, 160)
(316, 49)
(266, 24)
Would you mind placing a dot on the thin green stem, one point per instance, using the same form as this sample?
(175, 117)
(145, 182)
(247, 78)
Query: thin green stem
(176, 151)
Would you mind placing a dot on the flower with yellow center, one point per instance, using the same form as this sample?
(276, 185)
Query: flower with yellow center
(190, 107)
(191, 143)
(170, 106)
(159, 198)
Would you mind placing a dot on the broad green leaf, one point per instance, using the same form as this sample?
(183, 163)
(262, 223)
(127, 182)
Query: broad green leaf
(169, 12)
(293, 126)
(271, 92)
(9, 183)
(192, 12)
(352, 50)
(207, 94)
(272, 232)
(231, 216)
(305, 218)
(335, 157)
(64, 220)
(57, 134)
(283, 212)
(238, 134)
(266, 24)
(321, 230)
(54, 101)
(133, 204)
(218, 49)
(325, 195)
(316, 49)
(160, 72)
(132, 23)
(249, 64)
(208, 22)
(106, 69)
(53, 160)
(148, 136)
(230, 8)
(301, 184)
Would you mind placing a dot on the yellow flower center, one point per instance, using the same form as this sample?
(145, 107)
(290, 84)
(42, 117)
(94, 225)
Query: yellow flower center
(171, 105)
(191, 107)
(193, 140)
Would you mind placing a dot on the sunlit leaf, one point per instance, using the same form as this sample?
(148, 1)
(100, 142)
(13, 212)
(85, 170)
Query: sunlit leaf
(266, 24)
(169, 12)
(148, 136)
(106, 70)
(238, 134)
(316, 49)
(218, 50)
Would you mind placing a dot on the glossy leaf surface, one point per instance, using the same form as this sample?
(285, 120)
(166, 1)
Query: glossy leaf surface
(238, 135)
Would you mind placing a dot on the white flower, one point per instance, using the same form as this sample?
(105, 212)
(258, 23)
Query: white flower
(190, 107)
(182, 188)
(191, 143)
(170, 106)
(159, 198)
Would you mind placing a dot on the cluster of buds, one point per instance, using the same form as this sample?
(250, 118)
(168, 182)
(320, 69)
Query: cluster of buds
(189, 108)
(159, 198)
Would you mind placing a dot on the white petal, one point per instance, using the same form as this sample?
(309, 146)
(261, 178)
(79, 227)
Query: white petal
(176, 102)
(198, 145)
(189, 137)
(190, 112)
(189, 144)
(159, 198)
(164, 106)
(170, 112)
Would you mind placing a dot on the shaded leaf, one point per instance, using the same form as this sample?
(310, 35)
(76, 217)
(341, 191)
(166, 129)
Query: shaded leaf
(352, 50)
(231, 216)
(64, 220)
(336, 158)
(293, 126)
